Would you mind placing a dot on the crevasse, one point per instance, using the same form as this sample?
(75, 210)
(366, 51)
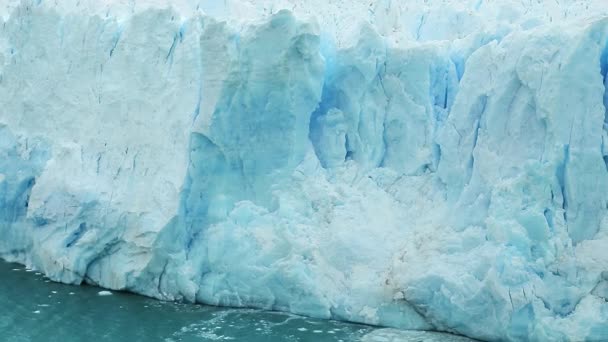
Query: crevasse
(429, 170)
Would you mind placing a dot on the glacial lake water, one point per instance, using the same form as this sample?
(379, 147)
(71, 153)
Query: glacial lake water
(34, 309)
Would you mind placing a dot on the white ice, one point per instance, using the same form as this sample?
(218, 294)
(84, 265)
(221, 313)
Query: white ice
(430, 165)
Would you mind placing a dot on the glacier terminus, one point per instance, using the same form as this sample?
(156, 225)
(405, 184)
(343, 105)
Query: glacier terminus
(417, 164)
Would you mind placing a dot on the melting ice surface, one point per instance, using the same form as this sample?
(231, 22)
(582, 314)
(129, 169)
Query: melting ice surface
(428, 165)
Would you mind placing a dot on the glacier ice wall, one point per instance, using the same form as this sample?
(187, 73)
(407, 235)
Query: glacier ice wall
(441, 167)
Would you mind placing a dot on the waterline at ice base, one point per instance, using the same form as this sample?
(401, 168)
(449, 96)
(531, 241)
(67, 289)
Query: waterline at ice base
(422, 165)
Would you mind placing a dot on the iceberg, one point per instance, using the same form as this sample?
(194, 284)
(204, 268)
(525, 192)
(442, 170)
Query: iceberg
(423, 165)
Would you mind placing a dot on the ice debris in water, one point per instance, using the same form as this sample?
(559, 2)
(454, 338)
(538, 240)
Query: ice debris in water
(392, 335)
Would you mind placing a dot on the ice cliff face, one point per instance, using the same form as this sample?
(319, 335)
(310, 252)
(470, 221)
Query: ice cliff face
(442, 167)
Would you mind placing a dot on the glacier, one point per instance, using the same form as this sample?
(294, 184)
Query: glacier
(424, 165)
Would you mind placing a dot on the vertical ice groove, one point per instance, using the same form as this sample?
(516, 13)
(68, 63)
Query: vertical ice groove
(115, 40)
(561, 174)
(604, 73)
(169, 57)
(477, 113)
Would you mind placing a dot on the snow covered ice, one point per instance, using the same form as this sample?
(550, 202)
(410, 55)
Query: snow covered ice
(428, 165)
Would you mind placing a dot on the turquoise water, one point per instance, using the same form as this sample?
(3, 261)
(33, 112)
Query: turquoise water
(34, 309)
